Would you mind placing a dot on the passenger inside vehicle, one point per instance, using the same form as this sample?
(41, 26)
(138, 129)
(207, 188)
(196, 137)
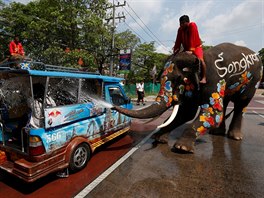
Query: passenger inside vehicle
(37, 117)
(14, 109)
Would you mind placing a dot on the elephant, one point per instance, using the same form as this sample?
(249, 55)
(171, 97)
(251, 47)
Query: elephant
(233, 73)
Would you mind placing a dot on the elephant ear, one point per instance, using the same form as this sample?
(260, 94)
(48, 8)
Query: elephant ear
(188, 66)
(187, 63)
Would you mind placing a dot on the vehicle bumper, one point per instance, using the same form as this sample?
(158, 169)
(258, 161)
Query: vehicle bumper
(31, 171)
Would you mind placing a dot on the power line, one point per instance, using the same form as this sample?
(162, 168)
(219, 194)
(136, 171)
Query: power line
(135, 32)
(146, 26)
(138, 24)
(144, 29)
(155, 39)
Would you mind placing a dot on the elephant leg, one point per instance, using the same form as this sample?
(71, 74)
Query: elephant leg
(207, 119)
(185, 114)
(234, 131)
(161, 136)
(186, 142)
(221, 130)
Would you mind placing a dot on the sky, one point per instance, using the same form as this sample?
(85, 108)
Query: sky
(237, 21)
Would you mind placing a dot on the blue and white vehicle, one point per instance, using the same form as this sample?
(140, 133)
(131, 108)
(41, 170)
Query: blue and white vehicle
(51, 118)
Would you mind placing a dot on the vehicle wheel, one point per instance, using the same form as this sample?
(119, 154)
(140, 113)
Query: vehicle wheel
(79, 157)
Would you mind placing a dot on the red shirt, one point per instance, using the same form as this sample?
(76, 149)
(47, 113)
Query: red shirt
(16, 48)
(189, 38)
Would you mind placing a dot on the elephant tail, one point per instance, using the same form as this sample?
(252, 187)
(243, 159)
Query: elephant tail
(228, 115)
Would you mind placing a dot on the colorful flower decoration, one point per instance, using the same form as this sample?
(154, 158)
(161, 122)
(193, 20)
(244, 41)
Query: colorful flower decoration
(168, 86)
(234, 85)
(241, 85)
(181, 89)
(216, 101)
(212, 113)
(25, 66)
(188, 87)
(167, 65)
(221, 87)
(201, 130)
(168, 68)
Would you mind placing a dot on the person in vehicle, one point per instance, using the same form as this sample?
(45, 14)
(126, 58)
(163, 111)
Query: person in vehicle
(36, 120)
(188, 37)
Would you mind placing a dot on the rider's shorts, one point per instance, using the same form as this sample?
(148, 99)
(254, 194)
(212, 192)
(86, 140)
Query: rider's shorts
(198, 52)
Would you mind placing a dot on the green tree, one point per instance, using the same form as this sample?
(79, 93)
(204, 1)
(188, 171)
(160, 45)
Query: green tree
(49, 26)
(261, 54)
(126, 40)
(142, 62)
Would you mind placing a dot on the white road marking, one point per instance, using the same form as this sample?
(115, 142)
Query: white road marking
(257, 108)
(258, 114)
(107, 172)
(260, 101)
(101, 177)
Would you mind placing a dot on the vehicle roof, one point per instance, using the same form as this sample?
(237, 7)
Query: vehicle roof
(74, 75)
(40, 69)
(71, 74)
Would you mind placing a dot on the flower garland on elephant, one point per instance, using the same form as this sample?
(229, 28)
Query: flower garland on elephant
(213, 112)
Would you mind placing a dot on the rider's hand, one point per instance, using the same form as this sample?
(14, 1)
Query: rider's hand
(189, 52)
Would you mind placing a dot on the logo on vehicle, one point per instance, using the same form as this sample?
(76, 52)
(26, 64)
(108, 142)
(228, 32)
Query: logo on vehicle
(54, 113)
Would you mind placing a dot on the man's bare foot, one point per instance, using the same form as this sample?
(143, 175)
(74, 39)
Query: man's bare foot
(203, 81)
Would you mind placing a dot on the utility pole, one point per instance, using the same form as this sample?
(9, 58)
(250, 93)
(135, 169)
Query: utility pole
(113, 32)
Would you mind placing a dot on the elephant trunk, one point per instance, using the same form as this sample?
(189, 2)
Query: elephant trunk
(151, 111)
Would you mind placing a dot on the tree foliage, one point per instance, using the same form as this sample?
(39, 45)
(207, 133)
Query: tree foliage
(261, 54)
(144, 59)
(47, 27)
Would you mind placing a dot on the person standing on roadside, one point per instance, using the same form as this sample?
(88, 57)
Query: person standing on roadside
(140, 92)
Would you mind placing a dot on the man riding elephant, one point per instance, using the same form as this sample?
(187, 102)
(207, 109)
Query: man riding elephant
(234, 73)
(188, 37)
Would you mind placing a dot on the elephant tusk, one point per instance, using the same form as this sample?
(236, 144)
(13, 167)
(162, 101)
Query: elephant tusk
(173, 115)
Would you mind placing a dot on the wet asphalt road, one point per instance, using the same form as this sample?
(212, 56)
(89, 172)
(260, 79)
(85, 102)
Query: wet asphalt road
(220, 167)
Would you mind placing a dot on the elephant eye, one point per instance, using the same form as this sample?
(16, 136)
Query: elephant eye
(186, 69)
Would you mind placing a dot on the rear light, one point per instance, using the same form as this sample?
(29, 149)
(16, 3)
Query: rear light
(36, 146)
(2, 157)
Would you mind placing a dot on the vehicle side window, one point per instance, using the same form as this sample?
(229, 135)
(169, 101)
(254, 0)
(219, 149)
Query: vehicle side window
(14, 95)
(64, 91)
(91, 89)
(116, 96)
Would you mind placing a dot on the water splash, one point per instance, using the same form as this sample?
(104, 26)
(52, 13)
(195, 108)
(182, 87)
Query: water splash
(100, 102)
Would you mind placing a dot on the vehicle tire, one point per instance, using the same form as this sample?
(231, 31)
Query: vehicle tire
(79, 157)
